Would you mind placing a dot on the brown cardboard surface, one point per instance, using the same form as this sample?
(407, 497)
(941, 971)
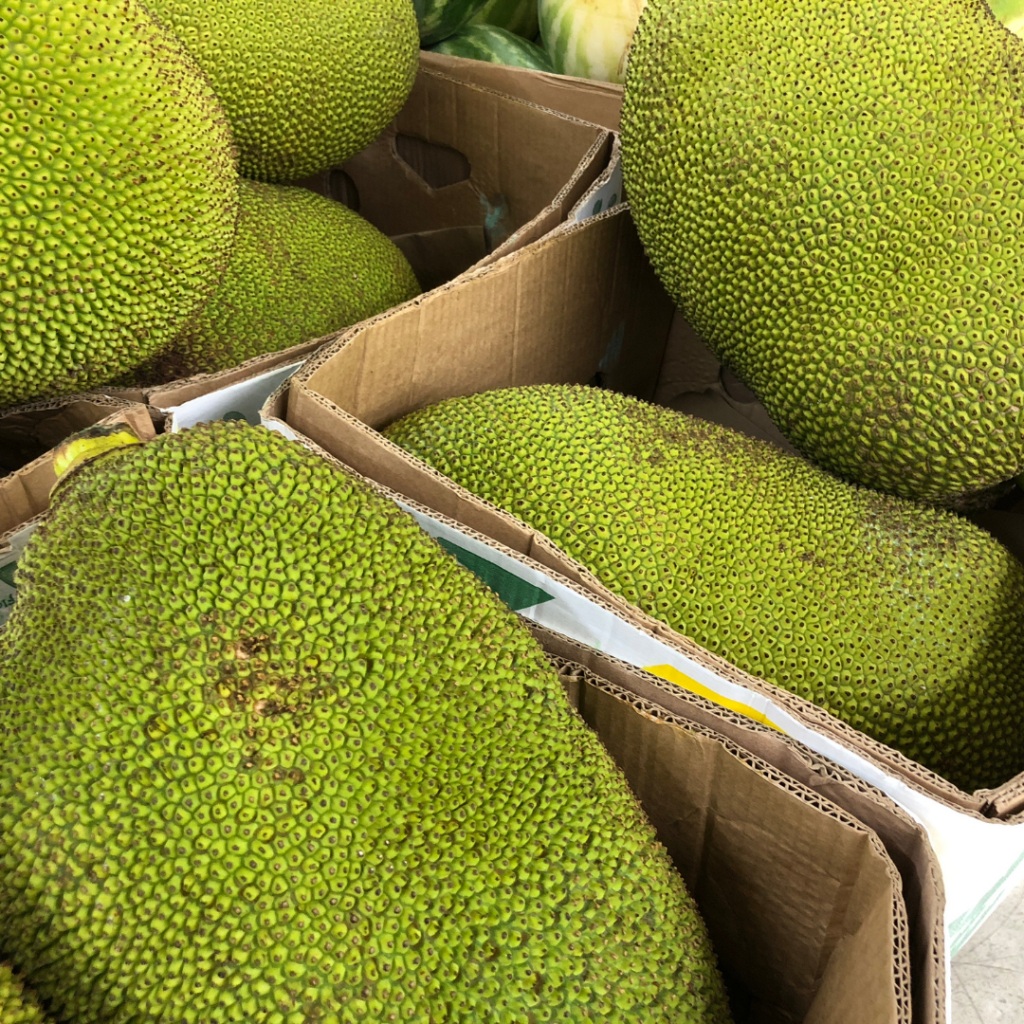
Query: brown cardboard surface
(763, 861)
(440, 256)
(597, 102)
(165, 396)
(582, 306)
(804, 905)
(25, 493)
(905, 840)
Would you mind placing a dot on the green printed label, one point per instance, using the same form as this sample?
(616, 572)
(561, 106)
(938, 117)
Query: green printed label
(7, 573)
(513, 590)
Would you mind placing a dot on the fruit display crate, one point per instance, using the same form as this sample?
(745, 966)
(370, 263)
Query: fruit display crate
(598, 314)
(823, 899)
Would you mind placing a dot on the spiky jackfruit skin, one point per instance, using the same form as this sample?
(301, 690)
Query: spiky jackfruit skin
(302, 267)
(904, 621)
(832, 192)
(306, 83)
(268, 753)
(18, 1005)
(118, 193)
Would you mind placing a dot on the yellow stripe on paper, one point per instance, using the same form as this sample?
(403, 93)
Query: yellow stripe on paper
(673, 675)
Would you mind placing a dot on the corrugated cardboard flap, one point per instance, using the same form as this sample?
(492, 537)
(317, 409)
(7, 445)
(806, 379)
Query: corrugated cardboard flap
(766, 858)
(905, 840)
(597, 102)
(460, 154)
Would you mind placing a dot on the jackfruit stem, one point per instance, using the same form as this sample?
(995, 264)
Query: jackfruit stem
(90, 444)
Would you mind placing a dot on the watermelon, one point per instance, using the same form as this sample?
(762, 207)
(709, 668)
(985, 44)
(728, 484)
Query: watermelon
(519, 16)
(496, 45)
(441, 18)
(589, 38)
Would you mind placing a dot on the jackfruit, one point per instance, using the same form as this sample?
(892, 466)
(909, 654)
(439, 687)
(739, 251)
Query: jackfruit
(17, 1004)
(302, 267)
(904, 621)
(306, 83)
(269, 753)
(118, 201)
(834, 195)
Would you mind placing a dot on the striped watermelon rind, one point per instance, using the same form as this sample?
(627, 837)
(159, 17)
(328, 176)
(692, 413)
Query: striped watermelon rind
(495, 45)
(438, 19)
(589, 38)
(519, 16)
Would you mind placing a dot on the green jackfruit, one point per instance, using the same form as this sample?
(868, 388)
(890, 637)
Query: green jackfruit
(904, 621)
(118, 193)
(306, 83)
(17, 1004)
(834, 195)
(270, 754)
(303, 266)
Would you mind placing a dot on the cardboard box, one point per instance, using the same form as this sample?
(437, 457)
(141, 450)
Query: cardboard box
(25, 493)
(750, 818)
(804, 903)
(473, 173)
(805, 917)
(589, 100)
(629, 709)
(462, 177)
(595, 313)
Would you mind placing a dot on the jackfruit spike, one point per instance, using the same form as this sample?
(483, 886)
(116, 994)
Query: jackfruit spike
(90, 444)
(18, 1003)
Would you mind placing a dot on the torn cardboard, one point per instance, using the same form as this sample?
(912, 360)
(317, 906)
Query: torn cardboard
(583, 306)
